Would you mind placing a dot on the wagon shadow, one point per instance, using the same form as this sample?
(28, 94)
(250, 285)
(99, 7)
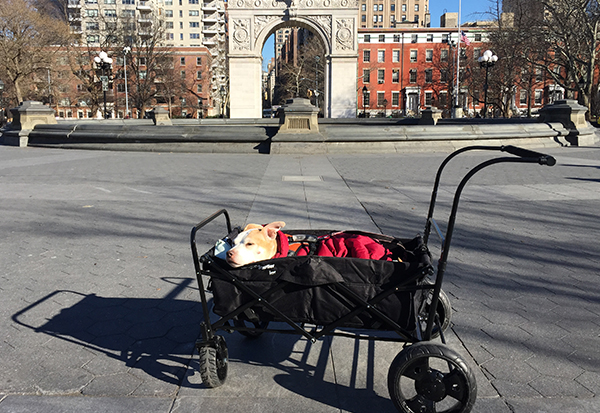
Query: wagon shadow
(155, 335)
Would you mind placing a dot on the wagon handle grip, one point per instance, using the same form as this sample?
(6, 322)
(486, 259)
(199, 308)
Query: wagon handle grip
(542, 159)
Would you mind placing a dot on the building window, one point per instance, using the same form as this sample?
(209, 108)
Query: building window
(393, 7)
(395, 75)
(413, 76)
(192, 13)
(363, 18)
(381, 99)
(92, 12)
(428, 75)
(168, 13)
(110, 13)
(194, 35)
(199, 61)
(429, 55)
(92, 26)
(395, 98)
(366, 56)
(128, 1)
(182, 74)
(366, 75)
(366, 98)
(199, 75)
(182, 61)
(93, 38)
(416, 8)
(523, 97)
(445, 38)
(404, 7)
(380, 75)
(413, 56)
(429, 98)
(430, 37)
(382, 38)
(381, 7)
(367, 38)
(395, 56)
(396, 38)
(363, 7)
(414, 38)
(444, 55)
(538, 97)
(143, 74)
(381, 56)
(477, 37)
(443, 76)
(193, 1)
(169, 25)
(142, 61)
(194, 24)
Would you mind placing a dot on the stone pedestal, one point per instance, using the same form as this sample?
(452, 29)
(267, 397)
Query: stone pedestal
(25, 117)
(572, 116)
(299, 116)
(160, 116)
(430, 116)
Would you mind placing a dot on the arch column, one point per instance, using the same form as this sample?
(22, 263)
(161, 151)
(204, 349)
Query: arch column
(244, 90)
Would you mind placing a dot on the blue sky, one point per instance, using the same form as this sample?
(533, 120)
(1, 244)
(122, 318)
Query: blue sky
(470, 10)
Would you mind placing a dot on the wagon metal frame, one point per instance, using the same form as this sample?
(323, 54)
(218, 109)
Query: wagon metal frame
(431, 387)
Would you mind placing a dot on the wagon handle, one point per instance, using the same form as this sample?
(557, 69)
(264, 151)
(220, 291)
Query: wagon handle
(524, 156)
(526, 153)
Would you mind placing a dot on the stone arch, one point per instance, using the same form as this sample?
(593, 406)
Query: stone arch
(251, 22)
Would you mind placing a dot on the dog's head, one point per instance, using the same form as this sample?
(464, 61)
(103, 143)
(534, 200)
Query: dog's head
(255, 243)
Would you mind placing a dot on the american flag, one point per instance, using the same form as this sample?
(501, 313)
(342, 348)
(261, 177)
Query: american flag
(463, 38)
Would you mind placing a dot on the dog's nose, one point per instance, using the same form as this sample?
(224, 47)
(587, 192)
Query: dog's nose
(229, 253)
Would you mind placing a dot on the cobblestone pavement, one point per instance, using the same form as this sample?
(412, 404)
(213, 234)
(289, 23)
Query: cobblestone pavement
(100, 308)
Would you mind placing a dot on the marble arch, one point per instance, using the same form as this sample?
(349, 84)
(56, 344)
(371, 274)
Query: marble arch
(252, 21)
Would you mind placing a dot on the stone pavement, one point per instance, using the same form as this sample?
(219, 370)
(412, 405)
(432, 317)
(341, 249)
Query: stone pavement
(100, 308)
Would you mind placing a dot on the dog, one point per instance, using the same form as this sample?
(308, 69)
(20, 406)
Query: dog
(254, 243)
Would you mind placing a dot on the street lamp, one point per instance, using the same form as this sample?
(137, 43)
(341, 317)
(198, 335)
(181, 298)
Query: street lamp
(2, 104)
(126, 50)
(104, 63)
(365, 91)
(222, 92)
(486, 60)
(317, 58)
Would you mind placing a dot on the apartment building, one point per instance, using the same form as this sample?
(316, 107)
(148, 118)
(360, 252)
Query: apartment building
(384, 14)
(188, 24)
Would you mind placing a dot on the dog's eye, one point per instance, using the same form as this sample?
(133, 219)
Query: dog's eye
(249, 244)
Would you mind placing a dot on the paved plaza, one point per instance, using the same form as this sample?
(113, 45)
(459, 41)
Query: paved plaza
(100, 306)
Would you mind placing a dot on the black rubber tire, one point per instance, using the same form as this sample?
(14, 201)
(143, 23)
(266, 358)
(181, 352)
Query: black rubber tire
(443, 311)
(214, 362)
(431, 378)
(250, 334)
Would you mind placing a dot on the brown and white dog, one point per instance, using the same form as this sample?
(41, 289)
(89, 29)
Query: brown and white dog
(255, 243)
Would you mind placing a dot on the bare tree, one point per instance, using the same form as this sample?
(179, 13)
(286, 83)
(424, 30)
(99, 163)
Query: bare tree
(297, 77)
(29, 41)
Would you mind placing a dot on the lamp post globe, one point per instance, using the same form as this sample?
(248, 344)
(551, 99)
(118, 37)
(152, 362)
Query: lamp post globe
(486, 60)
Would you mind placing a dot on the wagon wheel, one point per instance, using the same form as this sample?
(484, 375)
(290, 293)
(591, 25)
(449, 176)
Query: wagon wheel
(428, 378)
(214, 362)
(443, 312)
(248, 324)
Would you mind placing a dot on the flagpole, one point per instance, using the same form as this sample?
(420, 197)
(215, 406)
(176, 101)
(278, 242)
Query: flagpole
(457, 91)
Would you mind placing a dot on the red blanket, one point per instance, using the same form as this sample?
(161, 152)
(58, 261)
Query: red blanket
(339, 245)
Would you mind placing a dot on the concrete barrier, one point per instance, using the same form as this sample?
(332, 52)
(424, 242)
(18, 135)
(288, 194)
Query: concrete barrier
(561, 124)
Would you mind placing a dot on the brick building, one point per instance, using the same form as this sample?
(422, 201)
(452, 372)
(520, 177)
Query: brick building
(404, 70)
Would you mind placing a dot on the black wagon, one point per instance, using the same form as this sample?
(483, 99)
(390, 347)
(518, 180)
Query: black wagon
(399, 300)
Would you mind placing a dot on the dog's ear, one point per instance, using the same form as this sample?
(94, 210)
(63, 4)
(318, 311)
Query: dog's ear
(272, 228)
(252, 226)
